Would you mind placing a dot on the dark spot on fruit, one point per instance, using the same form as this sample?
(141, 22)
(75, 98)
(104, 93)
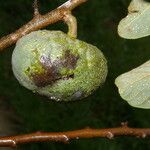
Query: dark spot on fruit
(68, 77)
(28, 69)
(71, 76)
(48, 77)
(70, 60)
(49, 74)
(77, 95)
(51, 70)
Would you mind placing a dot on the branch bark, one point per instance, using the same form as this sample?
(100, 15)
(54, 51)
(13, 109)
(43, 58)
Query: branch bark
(40, 21)
(65, 137)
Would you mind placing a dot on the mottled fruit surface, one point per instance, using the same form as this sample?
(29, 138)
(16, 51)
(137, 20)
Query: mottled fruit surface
(57, 66)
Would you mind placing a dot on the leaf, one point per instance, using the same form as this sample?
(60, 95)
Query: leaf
(137, 23)
(134, 86)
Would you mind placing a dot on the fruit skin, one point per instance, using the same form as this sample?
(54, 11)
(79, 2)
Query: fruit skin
(58, 66)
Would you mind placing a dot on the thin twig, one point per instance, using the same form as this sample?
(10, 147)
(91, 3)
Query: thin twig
(65, 137)
(36, 8)
(40, 21)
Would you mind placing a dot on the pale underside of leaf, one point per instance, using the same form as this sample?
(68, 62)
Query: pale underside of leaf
(134, 86)
(137, 23)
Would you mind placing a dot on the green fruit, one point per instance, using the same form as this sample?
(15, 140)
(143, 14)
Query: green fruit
(58, 66)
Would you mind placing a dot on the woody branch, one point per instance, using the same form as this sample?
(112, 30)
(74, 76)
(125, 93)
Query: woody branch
(62, 13)
(65, 137)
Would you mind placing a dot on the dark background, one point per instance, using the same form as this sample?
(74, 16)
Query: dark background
(97, 24)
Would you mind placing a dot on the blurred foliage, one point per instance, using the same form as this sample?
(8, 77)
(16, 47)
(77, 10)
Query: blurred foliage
(97, 24)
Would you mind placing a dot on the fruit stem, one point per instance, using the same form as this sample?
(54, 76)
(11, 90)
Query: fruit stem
(71, 22)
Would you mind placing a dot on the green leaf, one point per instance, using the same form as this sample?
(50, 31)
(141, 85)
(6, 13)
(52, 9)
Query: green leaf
(134, 86)
(137, 23)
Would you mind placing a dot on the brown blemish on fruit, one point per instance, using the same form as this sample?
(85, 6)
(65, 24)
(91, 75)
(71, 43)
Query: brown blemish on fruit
(51, 70)
(70, 60)
(48, 75)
